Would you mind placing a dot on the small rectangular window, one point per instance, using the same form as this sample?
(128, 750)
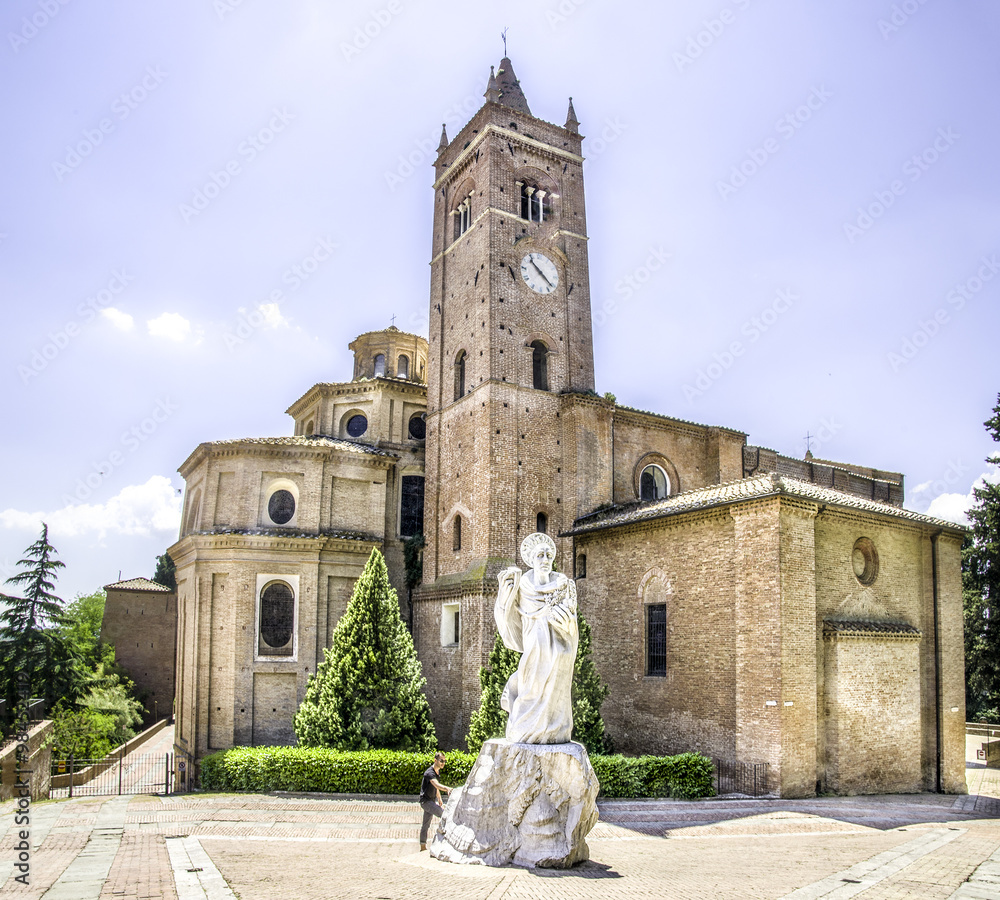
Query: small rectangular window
(451, 625)
(656, 639)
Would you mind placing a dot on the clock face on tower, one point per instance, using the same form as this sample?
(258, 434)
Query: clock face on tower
(539, 273)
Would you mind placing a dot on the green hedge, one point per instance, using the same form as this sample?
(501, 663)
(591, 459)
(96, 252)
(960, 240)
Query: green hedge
(262, 769)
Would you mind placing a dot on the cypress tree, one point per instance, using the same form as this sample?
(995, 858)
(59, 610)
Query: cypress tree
(981, 595)
(369, 691)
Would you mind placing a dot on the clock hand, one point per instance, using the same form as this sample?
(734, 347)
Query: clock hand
(540, 272)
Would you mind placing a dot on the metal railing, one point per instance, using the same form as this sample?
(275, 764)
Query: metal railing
(132, 773)
(735, 777)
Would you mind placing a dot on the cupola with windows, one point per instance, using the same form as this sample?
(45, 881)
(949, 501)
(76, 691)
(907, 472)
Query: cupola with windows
(390, 354)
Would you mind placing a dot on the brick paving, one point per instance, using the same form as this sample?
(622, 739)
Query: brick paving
(220, 846)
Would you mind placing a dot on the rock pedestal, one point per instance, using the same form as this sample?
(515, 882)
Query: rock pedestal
(528, 805)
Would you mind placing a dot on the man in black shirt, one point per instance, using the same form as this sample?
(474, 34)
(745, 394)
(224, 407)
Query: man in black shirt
(430, 796)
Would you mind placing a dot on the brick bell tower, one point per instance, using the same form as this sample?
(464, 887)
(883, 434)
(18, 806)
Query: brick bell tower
(510, 341)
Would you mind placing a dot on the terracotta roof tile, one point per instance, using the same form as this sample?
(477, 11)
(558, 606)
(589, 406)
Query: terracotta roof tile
(745, 489)
(137, 584)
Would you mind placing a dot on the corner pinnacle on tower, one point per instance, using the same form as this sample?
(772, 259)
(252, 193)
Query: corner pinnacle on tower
(492, 94)
(572, 122)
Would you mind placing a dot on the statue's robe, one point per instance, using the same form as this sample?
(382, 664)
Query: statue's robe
(540, 622)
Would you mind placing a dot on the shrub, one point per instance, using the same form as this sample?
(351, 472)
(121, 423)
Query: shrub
(262, 769)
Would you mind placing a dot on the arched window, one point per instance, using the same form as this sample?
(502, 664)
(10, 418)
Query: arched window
(460, 375)
(536, 204)
(379, 365)
(403, 367)
(539, 366)
(463, 216)
(310, 427)
(456, 536)
(542, 523)
(653, 484)
(277, 620)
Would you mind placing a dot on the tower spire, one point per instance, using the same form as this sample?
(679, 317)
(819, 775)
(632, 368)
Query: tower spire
(510, 88)
(572, 122)
(444, 138)
(492, 94)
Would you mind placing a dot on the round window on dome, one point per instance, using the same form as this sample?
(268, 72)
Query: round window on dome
(357, 425)
(418, 427)
(281, 507)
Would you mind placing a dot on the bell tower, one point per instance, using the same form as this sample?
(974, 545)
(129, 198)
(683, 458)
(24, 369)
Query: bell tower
(510, 338)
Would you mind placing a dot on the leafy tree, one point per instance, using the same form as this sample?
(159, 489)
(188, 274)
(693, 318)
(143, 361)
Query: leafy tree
(166, 572)
(30, 642)
(111, 697)
(981, 595)
(490, 721)
(81, 629)
(81, 733)
(369, 690)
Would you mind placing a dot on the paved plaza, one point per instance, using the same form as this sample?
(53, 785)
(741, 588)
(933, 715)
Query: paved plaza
(258, 847)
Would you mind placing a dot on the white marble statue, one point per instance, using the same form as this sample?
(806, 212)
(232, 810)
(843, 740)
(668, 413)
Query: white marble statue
(536, 615)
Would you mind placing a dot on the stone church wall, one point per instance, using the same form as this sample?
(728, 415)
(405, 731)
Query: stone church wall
(142, 627)
(873, 722)
(688, 566)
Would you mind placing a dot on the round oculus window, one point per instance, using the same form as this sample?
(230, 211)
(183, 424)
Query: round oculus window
(277, 612)
(418, 427)
(281, 507)
(864, 561)
(357, 425)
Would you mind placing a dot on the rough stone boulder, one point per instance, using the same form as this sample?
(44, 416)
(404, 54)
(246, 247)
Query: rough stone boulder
(529, 805)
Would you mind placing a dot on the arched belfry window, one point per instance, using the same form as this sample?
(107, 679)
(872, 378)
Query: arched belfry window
(403, 367)
(539, 366)
(379, 365)
(536, 202)
(460, 374)
(653, 484)
(463, 216)
(542, 523)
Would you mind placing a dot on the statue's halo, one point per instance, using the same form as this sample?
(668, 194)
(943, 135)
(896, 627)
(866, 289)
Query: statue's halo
(531, 542)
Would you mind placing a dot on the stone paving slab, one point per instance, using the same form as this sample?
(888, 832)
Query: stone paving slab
(255, 846)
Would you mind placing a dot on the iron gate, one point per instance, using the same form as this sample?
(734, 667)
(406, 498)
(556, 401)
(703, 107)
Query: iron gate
(132, 773)
(733, 777)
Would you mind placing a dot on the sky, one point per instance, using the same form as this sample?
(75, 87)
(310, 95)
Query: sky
(792, 210)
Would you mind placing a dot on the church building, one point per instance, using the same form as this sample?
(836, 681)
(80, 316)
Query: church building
(750, 606)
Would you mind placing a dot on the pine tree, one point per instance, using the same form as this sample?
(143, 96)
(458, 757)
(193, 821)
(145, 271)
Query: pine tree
(369, 691)
(30, 643)
(490, 721)
(981, 595)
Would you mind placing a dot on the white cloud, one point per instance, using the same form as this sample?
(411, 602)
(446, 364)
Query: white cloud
(272, 315)
(119, 319)
(139, 509)
(954, 507)
(172, 326)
